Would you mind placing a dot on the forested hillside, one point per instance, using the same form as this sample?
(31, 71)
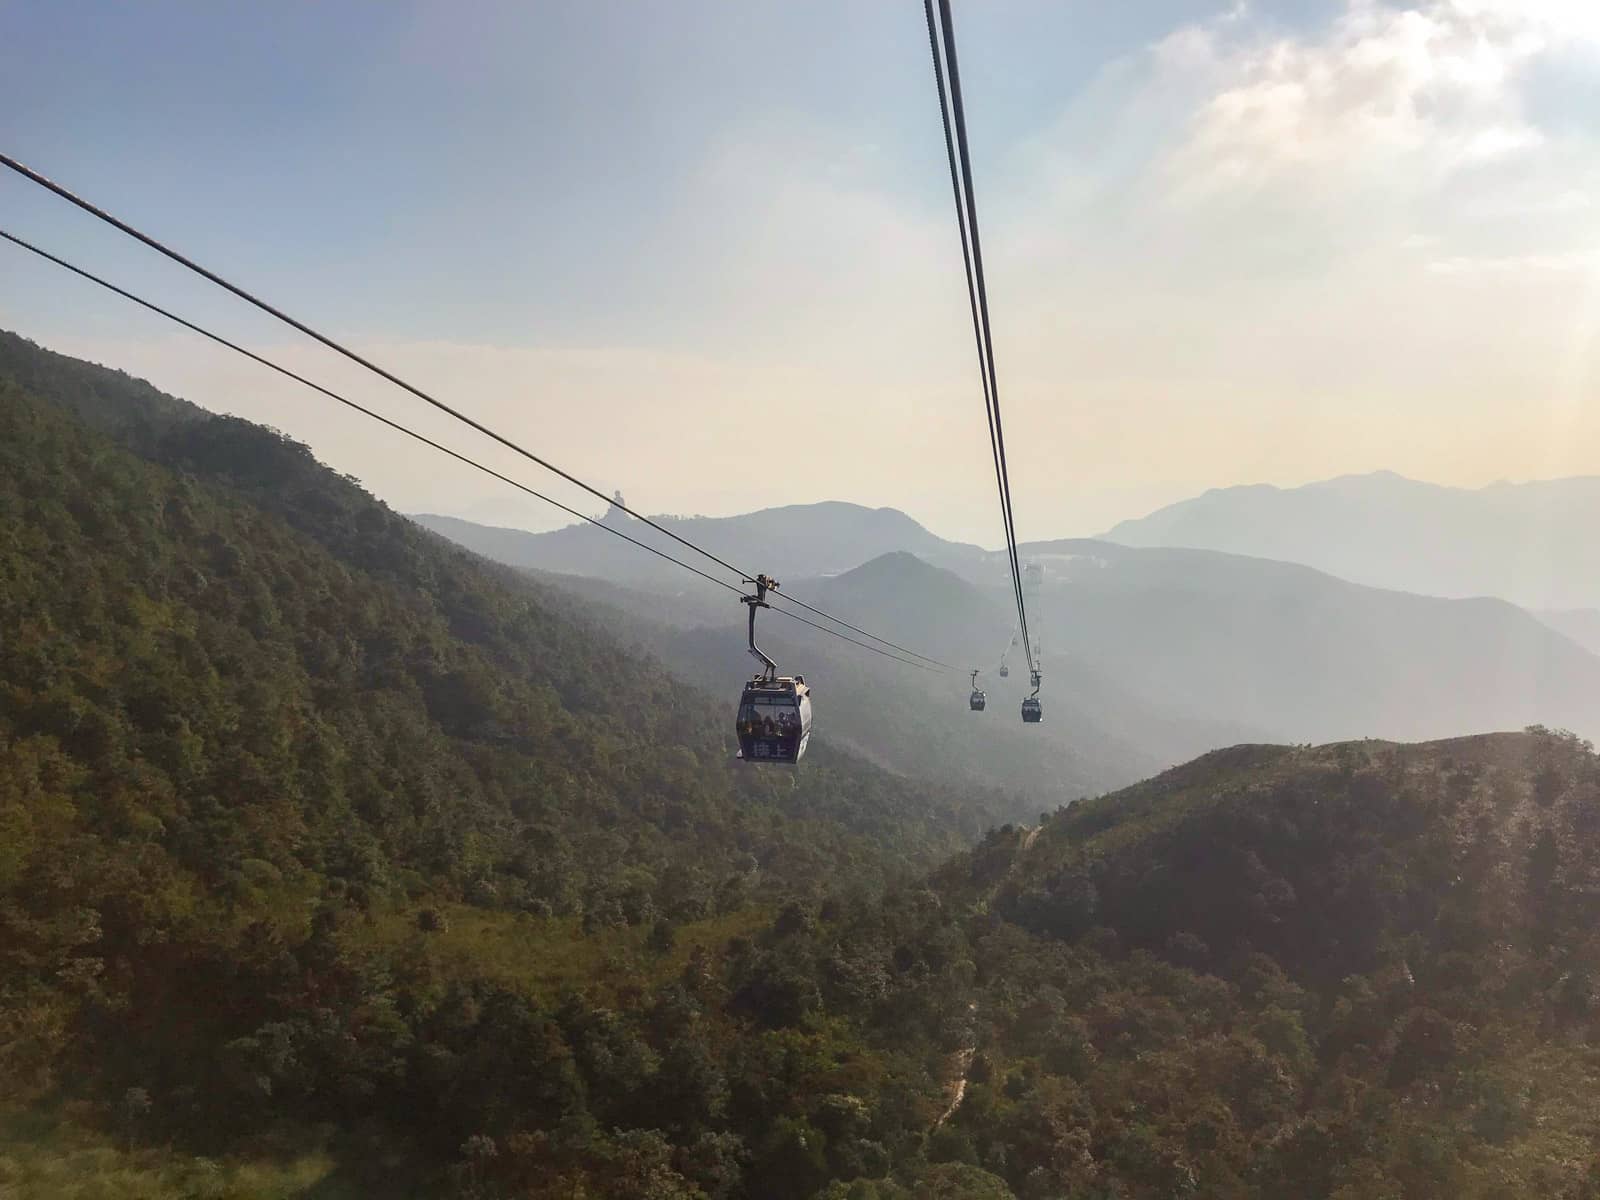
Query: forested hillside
(1359, 971)
(285, 782)
(335, 862)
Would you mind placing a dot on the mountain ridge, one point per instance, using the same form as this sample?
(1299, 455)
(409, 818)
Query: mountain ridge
(1527, 542)
(822, 538)
(1231, 635)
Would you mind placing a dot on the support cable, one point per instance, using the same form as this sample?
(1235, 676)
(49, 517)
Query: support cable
(953, 115)
(161, 248)
(427, 441)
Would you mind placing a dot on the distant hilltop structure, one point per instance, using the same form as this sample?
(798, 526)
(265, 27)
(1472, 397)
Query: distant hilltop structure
(615, 514)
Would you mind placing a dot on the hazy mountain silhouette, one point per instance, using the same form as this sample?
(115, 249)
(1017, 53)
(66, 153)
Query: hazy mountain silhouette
(914, 721)
(1310, 657)
(1150, 654)
(1582, 625)
(926, 606)
(1531, 543)
(802, 539)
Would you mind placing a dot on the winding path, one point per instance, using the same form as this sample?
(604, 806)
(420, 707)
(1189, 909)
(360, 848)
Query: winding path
(960, 1061)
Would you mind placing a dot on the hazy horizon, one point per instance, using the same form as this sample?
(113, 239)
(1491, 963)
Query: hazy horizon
(1227, 243)
(490, 507)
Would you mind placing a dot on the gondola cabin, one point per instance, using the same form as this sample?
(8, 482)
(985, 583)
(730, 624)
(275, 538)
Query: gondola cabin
(978, 701)
(1032, 711)
(774, 721)
(1004, 670)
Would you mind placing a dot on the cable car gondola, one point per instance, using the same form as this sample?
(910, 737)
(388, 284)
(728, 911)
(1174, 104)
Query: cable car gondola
(1032, 710)
(1005, 670)
(977, 701)
(774, 718)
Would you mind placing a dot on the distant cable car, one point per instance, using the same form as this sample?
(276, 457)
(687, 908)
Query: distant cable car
(1005, 670)
(977, 701)
(1032, 710)
(774, 718)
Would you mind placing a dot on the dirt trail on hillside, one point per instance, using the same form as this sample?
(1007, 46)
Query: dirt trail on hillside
(960, 1061)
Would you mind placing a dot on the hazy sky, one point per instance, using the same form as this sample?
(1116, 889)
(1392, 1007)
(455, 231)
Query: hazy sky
(707, 253)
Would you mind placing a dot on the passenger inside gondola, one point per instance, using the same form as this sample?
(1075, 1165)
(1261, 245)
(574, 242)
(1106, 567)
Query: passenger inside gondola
(773, 721)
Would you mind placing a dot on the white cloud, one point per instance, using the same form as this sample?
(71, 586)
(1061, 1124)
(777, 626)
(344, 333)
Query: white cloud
(1416, 93)
(1276, 285)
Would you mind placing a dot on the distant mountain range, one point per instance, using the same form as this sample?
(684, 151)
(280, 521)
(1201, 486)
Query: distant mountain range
(915, 722)
(802, 539)
(1306, 656)
(1165, 649)
(1534, 544)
